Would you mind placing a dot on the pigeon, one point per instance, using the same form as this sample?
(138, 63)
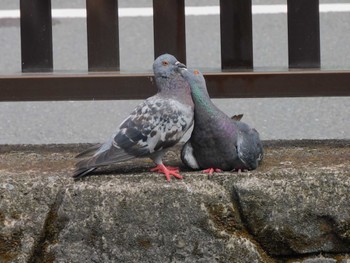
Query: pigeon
(218, 142)
(156, 124)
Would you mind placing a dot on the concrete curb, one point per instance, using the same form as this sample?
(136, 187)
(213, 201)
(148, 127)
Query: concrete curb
(294, 208)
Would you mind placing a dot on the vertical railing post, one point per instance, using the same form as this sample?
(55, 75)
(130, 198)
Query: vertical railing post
(303, 34)
(103, 35)
(36, 35)
(236, 34)
(169, 28)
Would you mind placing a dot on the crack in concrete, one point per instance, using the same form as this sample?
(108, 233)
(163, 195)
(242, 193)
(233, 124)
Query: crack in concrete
(247, 231)
(326, 222)
(49, 234)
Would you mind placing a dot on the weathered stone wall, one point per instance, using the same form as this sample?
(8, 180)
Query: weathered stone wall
(294, 208)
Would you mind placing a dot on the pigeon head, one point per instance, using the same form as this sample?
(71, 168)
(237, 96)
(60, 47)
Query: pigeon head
(198, 87)
(195, 78)
(166, 66)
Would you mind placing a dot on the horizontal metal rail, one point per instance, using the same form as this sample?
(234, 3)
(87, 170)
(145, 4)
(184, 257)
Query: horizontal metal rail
(118, 86)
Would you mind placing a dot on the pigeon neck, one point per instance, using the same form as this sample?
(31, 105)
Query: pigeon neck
(201, 99)
(175, 86)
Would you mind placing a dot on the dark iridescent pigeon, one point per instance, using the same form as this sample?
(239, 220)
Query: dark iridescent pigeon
(217, 141)
(155, 125)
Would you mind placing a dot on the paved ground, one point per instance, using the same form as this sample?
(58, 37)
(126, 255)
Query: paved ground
(69, 122)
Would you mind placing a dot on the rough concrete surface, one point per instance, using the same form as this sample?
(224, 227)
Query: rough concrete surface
(293, 208)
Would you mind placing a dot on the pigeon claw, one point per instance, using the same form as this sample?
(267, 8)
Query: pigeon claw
(210, 171)
(168, 171)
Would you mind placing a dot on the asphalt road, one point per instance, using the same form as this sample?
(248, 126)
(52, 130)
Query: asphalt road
(94, 121)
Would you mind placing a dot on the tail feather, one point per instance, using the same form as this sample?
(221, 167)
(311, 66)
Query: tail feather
(237, 117)
(81, 172)
(109, 156)
(89, 151)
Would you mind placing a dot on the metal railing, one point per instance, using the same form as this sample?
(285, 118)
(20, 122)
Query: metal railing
(236, 78)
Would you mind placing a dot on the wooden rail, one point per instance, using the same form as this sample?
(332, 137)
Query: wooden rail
(114, 86)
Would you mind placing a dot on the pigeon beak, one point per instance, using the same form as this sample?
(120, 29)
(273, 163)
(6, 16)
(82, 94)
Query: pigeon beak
(180, 65)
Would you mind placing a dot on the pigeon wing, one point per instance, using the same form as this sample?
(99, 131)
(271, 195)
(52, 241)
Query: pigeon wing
(187, 156)
(156, 124)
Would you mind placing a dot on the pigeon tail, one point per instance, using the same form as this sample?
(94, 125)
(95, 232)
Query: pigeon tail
(81, 172)
(112, 155)
(237, 117)
(89, 151)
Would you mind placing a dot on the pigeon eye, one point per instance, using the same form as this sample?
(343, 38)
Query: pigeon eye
(195, 72)
(165, 63)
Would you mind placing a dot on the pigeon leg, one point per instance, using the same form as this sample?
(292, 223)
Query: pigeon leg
(161, 168)
(210, 171)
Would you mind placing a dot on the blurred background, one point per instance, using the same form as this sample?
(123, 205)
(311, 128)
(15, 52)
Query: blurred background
(95, 121)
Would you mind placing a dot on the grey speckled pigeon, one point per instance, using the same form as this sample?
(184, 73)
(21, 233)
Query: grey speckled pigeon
(217, 141)
(155, 125)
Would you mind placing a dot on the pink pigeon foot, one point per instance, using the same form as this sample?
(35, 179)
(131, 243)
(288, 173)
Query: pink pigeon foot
(172, 168)
(210, 171)
(168, 171)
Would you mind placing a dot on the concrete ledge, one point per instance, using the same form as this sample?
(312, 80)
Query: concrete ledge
(294, 208)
